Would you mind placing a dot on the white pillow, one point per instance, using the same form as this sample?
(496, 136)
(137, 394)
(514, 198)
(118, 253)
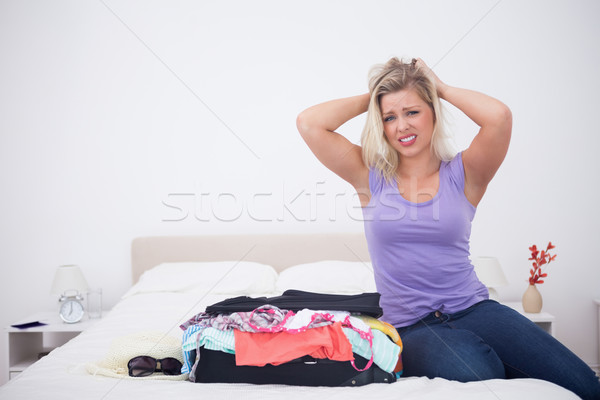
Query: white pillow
(219, 277)
(328, 277)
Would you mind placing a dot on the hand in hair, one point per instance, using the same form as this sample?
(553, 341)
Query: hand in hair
(439, 85)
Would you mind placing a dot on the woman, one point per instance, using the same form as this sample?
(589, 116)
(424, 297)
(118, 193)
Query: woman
(418, 200)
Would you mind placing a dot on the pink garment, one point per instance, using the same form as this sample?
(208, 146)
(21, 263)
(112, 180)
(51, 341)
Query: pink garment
(264, 348)
(266, 318)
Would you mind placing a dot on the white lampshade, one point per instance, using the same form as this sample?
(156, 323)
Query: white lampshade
(68, 278)
(490, 273)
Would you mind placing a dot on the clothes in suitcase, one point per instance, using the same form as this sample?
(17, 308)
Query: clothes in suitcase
(313, 340)
(296, 300)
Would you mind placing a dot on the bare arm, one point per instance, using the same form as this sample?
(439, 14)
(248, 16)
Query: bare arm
(488, 149)
(317, 126)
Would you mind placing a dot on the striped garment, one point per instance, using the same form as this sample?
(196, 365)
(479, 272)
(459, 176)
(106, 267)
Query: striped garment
(209, 338)
(385, 352)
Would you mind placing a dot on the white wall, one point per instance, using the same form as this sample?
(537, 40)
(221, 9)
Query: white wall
(119, 118)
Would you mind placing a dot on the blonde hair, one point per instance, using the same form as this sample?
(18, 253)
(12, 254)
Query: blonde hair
(391, 77)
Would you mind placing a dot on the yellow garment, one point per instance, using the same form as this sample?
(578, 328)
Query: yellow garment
(383, 327)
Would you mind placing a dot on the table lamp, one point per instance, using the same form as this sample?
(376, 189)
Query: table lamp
(490, 273)
(68, 278)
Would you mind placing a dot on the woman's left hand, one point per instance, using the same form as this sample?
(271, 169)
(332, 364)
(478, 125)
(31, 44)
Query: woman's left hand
(440, 86)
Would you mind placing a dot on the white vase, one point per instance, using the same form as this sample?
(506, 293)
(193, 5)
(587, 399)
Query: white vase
(532, 300)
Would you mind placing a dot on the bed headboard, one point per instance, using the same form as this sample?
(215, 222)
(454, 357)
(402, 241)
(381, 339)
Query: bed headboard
(278, 250)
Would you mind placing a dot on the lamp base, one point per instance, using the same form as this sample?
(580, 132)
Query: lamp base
(493, 294)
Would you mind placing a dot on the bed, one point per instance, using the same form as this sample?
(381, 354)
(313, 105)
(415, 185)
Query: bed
(233, 265)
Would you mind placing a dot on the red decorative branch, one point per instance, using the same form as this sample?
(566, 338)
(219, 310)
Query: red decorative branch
(540, 258)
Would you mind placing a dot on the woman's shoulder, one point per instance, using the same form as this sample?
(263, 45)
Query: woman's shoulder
(455, 168)
(376, 180)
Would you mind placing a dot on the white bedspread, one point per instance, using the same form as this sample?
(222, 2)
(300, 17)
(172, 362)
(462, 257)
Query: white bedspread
(62, 374)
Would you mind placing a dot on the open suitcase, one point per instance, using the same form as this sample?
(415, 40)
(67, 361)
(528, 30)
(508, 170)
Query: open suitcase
(220, 367)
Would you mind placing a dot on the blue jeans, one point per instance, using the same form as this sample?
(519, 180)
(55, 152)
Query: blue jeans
(487, 341)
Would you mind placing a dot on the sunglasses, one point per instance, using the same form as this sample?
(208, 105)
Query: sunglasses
(145, 366)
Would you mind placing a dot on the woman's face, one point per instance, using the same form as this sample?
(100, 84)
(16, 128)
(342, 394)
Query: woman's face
(407, 122)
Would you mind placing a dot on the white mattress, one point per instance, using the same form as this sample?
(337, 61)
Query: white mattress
(62, 374)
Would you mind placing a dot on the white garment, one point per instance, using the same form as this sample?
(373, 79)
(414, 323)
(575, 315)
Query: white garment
(306, 317)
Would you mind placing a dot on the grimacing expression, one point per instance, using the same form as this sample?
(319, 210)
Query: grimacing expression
(408, 122)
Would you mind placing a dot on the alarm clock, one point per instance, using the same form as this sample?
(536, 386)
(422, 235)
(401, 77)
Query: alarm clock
(71, 309)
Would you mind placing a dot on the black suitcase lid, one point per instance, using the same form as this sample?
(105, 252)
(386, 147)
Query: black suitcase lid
(296, 300)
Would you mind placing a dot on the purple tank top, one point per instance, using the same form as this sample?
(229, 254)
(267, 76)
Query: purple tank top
(420, 251)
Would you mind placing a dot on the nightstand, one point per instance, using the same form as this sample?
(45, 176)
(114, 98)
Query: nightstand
(542, 319)
(26, 346)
